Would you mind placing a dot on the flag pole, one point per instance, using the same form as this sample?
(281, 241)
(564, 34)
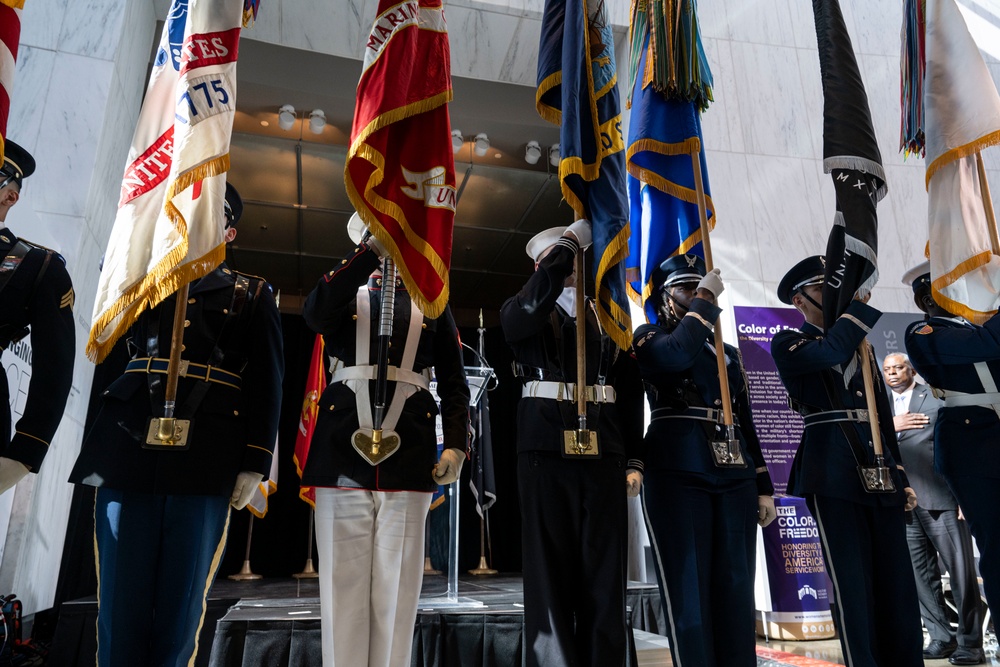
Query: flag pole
(484, 567)
(984, 192)
(166, 431)
(246, 574)
(309, 571)
(582, 441)
(727, 454)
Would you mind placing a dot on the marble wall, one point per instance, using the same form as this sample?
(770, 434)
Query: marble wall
(80, 76)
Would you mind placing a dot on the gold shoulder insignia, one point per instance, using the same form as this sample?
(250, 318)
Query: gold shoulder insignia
(250, 275)
(68, 299)
(926, 329)
(797, 344)
(40, 247)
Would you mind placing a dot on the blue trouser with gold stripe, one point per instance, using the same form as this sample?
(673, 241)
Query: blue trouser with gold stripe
(157, 556)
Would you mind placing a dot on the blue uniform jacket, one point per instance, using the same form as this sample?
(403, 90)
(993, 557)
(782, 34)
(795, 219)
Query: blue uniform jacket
(44, 303)
(824, 464)
(680, 369)
(944, 351)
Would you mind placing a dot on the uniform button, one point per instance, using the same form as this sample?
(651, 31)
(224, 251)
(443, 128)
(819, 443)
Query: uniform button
(236, 413)
(343, 261)
(858, 393)
(428, 415)
(183, 347)
(191, 300)
(354, 317)
(331, 407)
(105, 392)
(966, 421)
(187, 323)
(225, 311)
(424, 325)
(718, 401)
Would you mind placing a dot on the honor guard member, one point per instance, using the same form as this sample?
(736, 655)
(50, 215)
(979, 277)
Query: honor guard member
(162, 512)
(370, 518)
(703, 495)
(961, 362)
(573, 507)
(36, 295)
(863, 534)
(935, 531)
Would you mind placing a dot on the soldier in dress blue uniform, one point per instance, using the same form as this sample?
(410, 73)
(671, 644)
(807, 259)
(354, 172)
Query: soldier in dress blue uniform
(961, 361)
(370, 518)
(161, 517)
(863, 534)
(702, 517)
(573, 507)
(935, 534)
(36, 295)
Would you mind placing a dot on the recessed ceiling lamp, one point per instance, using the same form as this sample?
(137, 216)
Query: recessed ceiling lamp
(554, 155)
(481, 145)
(317, 121)
(286, 117)
(532, 152)
(457, 141)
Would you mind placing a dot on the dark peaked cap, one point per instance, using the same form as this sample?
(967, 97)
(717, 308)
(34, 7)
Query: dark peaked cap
(809, 271)
(17, 162)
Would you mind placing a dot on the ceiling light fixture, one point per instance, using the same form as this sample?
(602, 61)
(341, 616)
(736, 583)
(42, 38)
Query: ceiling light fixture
(457, 141)
(482, 144)
(317, 121)
(532, 152)
(286, 117)
(554, 155)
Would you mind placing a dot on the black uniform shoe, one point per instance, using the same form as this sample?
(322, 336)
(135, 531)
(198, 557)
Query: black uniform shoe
(965, 655)
(938, 649)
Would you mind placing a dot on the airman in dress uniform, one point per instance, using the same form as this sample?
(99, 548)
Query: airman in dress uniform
(161, 516)
(863, 534)
(370, 518)
(36, 295)
(961, 362)
(573, 507)
(702, 511)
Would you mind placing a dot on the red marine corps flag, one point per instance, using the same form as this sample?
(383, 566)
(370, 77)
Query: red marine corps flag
(400, 172)
(315, 384)
(169, 226)
(10, 37)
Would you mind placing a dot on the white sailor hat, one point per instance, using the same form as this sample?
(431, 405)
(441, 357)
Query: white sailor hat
(542, 241)
(356, 228)
(917, 276)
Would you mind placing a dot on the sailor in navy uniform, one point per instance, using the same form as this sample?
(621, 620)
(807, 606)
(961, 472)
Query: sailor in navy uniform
(36, 295)
(370, 518)
(573, 508)
(702, 518)
(863, 534)
(961, 362)
(161, 517)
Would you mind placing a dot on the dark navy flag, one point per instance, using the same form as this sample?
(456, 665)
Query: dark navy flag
(851, 156)
(482, 481)
(577, 90)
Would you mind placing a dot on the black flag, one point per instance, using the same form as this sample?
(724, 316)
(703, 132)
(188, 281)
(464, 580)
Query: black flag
(851, 156)
(481, 480)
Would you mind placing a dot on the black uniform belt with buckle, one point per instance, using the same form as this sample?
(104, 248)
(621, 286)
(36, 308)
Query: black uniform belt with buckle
(701, 414)
(187, 370)
(832, 416)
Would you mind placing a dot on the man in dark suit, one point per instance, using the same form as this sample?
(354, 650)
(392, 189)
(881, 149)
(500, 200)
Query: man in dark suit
(161, 515)
(863, 534)
(935, 528)
(573, 505)
(36, 295)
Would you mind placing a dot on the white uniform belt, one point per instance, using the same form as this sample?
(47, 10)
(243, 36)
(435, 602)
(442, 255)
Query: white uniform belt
(393, 374)
(566, 391)
(957, 399)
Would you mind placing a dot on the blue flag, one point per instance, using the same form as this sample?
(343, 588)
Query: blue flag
(664, 219)
(577, 90)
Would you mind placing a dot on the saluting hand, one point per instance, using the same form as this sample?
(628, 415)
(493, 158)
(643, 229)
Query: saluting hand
(910, 420)
(633, 482)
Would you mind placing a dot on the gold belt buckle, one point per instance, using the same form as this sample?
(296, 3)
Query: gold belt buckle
(182, 368)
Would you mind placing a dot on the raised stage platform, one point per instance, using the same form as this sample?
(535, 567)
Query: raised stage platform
(275, 623)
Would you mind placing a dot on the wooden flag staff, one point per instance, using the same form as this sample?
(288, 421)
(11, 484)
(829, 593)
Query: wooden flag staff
(727, 453)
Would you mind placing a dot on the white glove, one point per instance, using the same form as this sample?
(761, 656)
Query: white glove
(765, 510)
(375, 245)
(11, 472)
(712, 282)
(581, 232)
(633, 482)
(246, 484)
(911, 498)
(449, 466)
